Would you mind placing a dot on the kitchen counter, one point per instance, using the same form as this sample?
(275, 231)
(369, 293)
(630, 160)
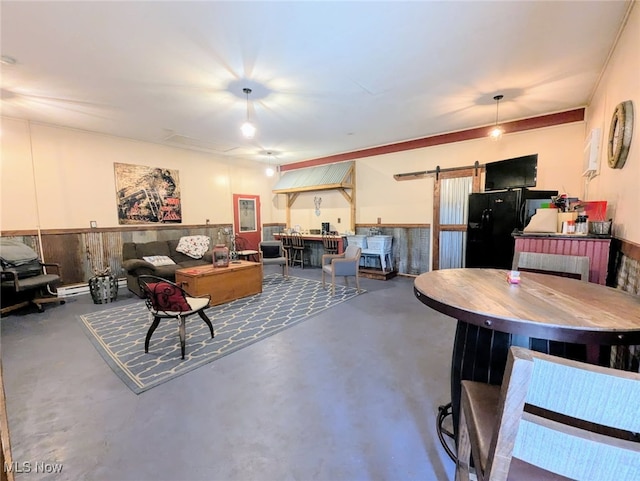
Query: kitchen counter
(316, 248)
(595, 247)
(556, 235)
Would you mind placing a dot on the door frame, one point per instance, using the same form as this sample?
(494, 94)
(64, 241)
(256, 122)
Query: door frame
(252, 236)
(437, 227)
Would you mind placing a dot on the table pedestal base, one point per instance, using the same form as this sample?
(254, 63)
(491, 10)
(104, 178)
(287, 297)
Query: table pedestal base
(480, 354)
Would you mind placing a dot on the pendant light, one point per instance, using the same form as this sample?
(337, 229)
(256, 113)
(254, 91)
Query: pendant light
(248, 129)
(497, 131)
(269, 170)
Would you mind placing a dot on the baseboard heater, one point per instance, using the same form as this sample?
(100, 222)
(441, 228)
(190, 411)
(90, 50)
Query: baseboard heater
(81, 289)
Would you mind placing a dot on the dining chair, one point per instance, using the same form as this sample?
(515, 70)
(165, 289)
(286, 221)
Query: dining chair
(330, 243)
(345, 265)
(273, 253)
(557, 264)
(243, 251)
(552, 419)
(167, 300)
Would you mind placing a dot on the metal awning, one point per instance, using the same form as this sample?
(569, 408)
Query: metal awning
(322, 177)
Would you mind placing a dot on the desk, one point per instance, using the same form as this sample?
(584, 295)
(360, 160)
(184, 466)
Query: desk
(316, 247)
(493, 315)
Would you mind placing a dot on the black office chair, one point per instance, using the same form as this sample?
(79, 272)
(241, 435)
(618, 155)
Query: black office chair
(25, 280)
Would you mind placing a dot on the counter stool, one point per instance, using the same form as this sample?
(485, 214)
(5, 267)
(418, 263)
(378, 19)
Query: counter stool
(330, 243)
(287, 246)
(298, 249)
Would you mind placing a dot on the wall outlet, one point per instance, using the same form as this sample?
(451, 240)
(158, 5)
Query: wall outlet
(379, 220)
(93, 224)
(338, 220)
(206, 221)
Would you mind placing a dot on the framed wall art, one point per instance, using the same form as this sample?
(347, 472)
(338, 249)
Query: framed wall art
(147, 195)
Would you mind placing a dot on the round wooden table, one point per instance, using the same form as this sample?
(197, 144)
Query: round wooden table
(558, 315)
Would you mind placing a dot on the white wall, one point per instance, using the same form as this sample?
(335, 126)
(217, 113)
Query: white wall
(379, 195)
(70, 180)
(620, 82)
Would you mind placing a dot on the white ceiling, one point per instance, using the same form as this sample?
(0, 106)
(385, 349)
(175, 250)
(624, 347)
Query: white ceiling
(327, 77)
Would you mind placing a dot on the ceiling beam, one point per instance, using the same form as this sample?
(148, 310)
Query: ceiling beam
(548, 120)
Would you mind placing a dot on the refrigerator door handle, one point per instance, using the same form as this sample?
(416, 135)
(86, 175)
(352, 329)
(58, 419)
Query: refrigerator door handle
(486, 219)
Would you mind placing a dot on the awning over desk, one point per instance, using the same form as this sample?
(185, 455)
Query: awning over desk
(340, 176)
(323, 177)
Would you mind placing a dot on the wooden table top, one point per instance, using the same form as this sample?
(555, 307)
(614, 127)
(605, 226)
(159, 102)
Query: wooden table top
(542, 306)
(209, 270)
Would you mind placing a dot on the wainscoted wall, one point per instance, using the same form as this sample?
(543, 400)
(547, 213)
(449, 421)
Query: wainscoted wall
(410, 249)
(626, 265)
(411, 245)
(82, 252)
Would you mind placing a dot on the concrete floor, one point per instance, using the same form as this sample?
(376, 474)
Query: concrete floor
(349, 394)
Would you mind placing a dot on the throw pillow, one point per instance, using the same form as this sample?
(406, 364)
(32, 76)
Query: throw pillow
(159, 260)
(270, 252)
(166, 297)
(194, 245)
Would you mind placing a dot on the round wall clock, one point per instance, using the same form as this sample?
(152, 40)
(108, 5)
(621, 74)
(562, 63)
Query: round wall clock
(620, 134)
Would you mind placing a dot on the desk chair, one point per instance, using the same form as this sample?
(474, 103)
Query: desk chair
(552, 419)
(345, 265)
(25, 280)
(556, 264)
(166, 300)
(273, 253)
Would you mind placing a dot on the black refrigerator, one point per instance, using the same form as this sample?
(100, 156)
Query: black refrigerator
(492, 218)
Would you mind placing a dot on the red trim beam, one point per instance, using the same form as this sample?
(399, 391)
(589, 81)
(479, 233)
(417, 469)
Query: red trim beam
(549, 120)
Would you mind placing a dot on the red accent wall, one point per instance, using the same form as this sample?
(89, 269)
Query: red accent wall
(597, 250)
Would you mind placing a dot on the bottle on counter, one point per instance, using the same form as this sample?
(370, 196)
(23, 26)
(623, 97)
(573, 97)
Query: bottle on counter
(582, 224)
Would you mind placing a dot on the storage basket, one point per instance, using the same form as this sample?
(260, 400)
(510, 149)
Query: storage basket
(600, 227)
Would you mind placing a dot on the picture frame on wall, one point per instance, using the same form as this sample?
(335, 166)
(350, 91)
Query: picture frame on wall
(147, 195)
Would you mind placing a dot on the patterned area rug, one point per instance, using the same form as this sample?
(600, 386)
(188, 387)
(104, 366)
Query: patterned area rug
(118, 333)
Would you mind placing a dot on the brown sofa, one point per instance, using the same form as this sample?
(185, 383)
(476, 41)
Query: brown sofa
(135, 265)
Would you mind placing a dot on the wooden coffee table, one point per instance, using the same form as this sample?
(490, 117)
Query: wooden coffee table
(223, 284)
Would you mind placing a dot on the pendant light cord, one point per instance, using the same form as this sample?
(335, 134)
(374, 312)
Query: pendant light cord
(497, 98)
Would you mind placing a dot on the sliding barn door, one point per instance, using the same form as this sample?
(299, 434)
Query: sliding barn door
(450, 203)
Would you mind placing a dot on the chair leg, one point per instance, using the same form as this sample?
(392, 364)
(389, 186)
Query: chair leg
(323, 284)
(207, 321)
(464, 450)
(357, 283)
(333, 283)
(154, 325)
(182, 333)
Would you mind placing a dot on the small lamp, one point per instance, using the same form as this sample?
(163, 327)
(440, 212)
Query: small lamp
(269, 170)
(497, 131)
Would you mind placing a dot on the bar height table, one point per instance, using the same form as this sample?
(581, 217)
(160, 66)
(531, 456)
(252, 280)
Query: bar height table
(558, 315)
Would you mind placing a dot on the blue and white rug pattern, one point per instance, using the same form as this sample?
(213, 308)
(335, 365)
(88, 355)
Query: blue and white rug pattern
(118, 333)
